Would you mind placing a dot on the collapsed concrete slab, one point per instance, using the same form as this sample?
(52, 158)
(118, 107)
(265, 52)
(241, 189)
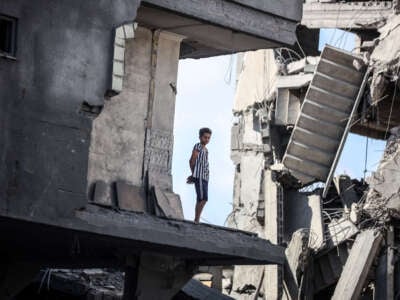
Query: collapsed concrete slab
(358, 263)
(296, 260)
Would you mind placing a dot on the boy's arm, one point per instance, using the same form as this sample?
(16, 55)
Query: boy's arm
(192, 160)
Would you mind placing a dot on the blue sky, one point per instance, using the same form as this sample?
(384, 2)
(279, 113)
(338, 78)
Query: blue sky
(205, 99)
(206, 89)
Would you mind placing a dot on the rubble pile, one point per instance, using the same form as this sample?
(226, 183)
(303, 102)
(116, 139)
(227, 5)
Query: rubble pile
(100, 284)
(295, 109)
(383, 199)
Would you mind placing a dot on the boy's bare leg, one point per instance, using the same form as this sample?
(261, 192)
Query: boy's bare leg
(199, 208)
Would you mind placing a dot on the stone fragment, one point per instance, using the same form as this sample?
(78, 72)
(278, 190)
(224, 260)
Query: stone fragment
(169, 203)
(102, 194)
(130, 197)
(357, 266)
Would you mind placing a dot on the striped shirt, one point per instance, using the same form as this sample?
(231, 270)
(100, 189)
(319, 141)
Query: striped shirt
(201, 168)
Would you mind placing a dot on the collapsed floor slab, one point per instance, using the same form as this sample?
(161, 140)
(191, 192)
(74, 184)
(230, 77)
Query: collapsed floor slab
(357, 265)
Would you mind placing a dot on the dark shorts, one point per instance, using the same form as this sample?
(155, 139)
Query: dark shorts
(201, 186)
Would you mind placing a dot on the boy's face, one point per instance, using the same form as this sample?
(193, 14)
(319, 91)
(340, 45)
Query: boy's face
(205, 138)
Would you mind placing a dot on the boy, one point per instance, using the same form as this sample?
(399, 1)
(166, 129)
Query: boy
(200, 171)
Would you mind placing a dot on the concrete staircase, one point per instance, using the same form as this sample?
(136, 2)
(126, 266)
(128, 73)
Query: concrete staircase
(316, 140)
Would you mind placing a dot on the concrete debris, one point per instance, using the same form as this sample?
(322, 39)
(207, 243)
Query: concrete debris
(306, 65)
(297, 255)
(87, 119)
(346, 191)
(168, 204)
(195, 290)
(130, 197)
(101, 284)
(387, 49)
(333, 232)
(383, 198)
(341, 230)
(358, 263)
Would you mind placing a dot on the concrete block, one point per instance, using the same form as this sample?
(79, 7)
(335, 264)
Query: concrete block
(300, 65)
(169, 203)
(102, 194)
(129, 31)
(341, 230)
(118, 68)
(309, 68)
(130, 197)
(119, 33)
(119, 53)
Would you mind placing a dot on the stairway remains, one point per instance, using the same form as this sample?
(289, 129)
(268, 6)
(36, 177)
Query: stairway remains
(316, 140)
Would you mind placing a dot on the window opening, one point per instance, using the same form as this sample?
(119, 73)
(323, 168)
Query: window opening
(8, 31)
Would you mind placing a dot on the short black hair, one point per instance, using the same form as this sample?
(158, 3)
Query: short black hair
(204, 130)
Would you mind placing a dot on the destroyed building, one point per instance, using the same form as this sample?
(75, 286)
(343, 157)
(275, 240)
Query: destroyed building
(294, 108)
(87, 93)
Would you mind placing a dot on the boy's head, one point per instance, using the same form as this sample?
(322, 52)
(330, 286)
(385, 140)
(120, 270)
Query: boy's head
(205, 135)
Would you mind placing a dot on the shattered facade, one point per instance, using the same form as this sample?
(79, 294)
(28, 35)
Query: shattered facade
(294, 108)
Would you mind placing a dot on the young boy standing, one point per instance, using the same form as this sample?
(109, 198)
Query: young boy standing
(200, 171)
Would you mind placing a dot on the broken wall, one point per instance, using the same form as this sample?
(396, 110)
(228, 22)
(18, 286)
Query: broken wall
(132, 137)
(63, 60)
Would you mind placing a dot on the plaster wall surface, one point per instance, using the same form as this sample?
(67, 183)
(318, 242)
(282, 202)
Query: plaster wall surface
(64, 55)
(117, 146)
(251, 133)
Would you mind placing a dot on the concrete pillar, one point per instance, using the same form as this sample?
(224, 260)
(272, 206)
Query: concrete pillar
(161, 108)
(272, 280)
(134, 132)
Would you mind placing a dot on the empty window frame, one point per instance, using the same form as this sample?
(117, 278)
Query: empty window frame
(8, 35)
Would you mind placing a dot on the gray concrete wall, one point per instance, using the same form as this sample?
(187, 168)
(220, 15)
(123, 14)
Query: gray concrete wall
(118, 136)
(64, 55)
(132, 138)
